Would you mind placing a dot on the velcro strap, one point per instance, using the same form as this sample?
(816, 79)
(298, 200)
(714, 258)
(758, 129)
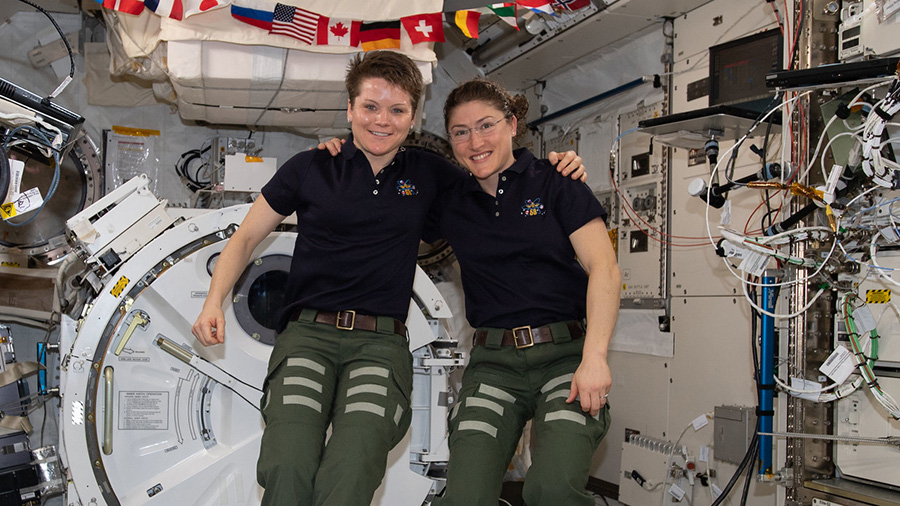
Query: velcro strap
(17, 371)
(882, 113)
(16, 423)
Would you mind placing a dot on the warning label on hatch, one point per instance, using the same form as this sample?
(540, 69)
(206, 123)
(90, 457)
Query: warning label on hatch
(143, 410)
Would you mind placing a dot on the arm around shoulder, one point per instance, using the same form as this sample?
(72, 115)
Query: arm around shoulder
(209, 328)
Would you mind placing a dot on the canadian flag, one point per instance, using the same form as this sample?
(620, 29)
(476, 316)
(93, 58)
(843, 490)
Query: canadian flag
(337, 32)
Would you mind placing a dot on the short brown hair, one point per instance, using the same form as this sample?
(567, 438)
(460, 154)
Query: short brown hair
(491, 93)
(395, 68)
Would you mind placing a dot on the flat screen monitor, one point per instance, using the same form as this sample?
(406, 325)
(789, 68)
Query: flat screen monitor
(738, 69)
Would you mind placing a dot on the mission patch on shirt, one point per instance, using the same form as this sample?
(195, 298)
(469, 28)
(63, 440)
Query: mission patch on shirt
(357, 232)
(518, 265)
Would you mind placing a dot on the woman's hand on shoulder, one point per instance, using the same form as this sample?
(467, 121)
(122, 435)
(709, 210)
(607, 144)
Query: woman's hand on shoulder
(568, 164)
(333, 145)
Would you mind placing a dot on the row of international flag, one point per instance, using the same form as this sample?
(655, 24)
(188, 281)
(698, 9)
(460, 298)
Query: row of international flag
(315, 29)
(175, 9)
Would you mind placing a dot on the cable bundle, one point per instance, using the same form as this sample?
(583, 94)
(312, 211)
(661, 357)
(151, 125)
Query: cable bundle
(874, 164)
(48, 148)
(864, 363)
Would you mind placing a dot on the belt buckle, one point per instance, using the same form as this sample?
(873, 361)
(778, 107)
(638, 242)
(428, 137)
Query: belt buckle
(340, 315)
(530, 335)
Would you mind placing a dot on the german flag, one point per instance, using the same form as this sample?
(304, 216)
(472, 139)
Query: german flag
(380, 35)
(466, 21)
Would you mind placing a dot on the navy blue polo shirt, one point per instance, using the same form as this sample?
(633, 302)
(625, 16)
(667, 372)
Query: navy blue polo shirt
(357, 233)
(518, 265)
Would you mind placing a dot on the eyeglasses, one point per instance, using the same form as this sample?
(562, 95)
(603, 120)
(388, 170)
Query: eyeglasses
(458, 135)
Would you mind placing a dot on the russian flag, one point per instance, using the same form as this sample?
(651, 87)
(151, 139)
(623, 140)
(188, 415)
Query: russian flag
(248, 12)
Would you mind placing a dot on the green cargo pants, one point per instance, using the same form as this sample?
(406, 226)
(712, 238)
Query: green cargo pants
(502, 389)
(358, 381)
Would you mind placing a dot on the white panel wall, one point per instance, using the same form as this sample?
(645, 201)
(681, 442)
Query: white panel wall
(712, 365)
(714, 23)
(712, 362)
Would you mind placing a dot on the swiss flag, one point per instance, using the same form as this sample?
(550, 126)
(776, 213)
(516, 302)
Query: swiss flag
(337, 32)
(424, 27)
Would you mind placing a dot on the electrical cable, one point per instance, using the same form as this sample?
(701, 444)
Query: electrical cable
(635, 217)
(266, 109)
(192, 181)
(671, 454)
(865, 363)
(728, 152)
(852, 103)
(886, 440)
(766, 116)
(799, 232)
(5, 174)
(62, 36)
(54, 182)
(750, 455)
(798, 24)
(763, 202)
(764, 154)
(785, 316)
(752, 452)
(747, 480)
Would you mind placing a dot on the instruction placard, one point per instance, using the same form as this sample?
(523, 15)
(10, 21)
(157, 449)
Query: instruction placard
(25, 202)
(143, 410)
(839, 365)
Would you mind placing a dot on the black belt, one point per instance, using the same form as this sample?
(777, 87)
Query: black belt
(351, 320)
(524, 337)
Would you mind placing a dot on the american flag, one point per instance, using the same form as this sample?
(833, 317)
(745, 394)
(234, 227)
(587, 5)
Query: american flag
(295, 22)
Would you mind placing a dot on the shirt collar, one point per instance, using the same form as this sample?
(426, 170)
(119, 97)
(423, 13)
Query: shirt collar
(349, 150)
(524, 159)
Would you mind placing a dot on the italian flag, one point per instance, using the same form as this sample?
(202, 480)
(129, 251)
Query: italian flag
(507, 12)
